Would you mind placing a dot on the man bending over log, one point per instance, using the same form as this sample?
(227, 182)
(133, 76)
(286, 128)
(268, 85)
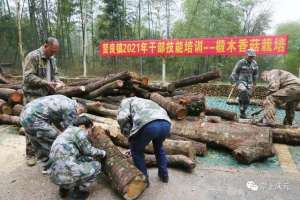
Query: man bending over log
(43, 117)
(143, 121)
(73, 166)
(40, 78)
(244, 76)
(283, 88)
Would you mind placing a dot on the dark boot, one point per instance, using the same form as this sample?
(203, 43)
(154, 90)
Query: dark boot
(78, 194)
(163, 178)
(63, 192)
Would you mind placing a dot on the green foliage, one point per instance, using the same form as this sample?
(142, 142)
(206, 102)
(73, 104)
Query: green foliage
(291, 61)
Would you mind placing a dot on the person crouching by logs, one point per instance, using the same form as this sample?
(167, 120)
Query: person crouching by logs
(72, 157)
(143, 121)
(244, 76)
(283, 88)
(44, 118)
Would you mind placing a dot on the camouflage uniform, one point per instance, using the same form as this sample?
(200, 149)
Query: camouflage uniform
(283, 88)
(36, 68)
(244, 75)
(71, 159)
(144, 121)
(41, 117)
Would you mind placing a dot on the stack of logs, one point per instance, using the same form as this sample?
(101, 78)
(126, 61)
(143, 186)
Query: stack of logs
(194, 125)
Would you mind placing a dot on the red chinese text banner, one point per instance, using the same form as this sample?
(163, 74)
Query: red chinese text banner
(229, 46)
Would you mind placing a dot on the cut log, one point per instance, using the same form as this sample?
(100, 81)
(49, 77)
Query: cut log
(105, 105)
(98, 109)
(11, 86)
(200, 147)
(140, 92)
(247, 142)
(255, 102)
(82, 90)
(8, 119)
(102, 90)
(16, 97)
(171, 147)
(17, 109)
(195, 104)
(214, 119)
(125, 178)
(175, 110)
(202, 78)
(225, 114)
(5, 93)
(286, 135)
(3, 79)
(174, 161)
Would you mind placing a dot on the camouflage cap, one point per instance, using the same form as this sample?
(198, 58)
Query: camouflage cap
(250, 53)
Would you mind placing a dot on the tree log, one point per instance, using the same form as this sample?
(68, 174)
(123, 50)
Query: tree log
(5, 93)
(82, 90)
(105, 105)
(107, 87)
(202, 78)
(11, 86)
(286, 135)
(248, 143)
(8, 119)
(17, 109)
(225, 114)
(125, 178)
(175, 110)
(195, 104)
(174, 161)
(98, 109)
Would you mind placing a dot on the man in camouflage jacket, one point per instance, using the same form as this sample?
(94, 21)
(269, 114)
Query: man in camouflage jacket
(283, 88)
(40, 79)
(43, 117)
(244, 75)
(72, 159)
(143, 121)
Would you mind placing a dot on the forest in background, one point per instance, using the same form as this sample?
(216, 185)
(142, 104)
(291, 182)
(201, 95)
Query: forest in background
(81, 24)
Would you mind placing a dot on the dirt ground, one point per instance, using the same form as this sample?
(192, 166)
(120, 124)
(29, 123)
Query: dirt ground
(19, 182)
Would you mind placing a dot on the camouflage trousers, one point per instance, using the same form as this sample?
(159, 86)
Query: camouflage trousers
(41, 137)
(29, 147)
(290, 96)
(244, 94)
(74, 173)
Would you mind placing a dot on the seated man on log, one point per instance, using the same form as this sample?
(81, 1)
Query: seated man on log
(40, 78)
(73, 166)
(43, 117)
(143, 121)
(244, 76)
(283, 88)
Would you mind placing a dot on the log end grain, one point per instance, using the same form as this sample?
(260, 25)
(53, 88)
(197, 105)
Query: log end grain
(135, 188)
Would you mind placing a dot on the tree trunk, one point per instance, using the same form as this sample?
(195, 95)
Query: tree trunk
(20, 46)
(174, 161)
(105, 105)
(98, 109)
(107, 87)
(202, 78)
(200, 147)
(17, 109)
(286, 135)
(225, 114)
(175, 110)
(247, 142)
(8, 119)
(195, 104)
(82, 90)
(125, 178)
(11, 95)
(11, 86)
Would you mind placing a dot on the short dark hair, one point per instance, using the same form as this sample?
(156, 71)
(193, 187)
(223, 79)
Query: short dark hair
(83, 120)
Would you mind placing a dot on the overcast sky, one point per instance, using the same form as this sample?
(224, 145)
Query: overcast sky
(283, 11)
